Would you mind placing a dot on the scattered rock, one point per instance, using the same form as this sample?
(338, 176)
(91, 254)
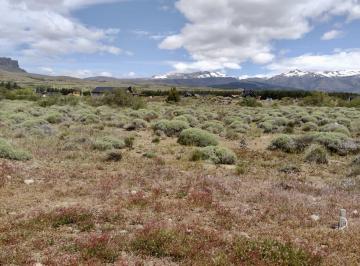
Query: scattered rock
(315, 217)
(29, 181)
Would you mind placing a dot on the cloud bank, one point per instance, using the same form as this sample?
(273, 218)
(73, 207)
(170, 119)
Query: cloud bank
(46, 28)
(225, 34)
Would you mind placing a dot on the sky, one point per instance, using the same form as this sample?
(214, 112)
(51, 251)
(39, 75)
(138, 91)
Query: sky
(142, 38)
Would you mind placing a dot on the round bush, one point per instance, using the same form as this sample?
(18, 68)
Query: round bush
(197, 137)
(107, 143)
(191, 120)
(170, 127)
(287, 144)
(316, 154)
(7, 151)
(214, 127)
(309, 126)
(335, 127)
(239, 126)
(218, 155)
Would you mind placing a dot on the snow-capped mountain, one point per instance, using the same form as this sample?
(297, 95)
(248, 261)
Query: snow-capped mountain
(343, 81)
(329, 74)
(195, 75)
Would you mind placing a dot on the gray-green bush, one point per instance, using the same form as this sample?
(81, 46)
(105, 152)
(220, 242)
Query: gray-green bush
(197, 137)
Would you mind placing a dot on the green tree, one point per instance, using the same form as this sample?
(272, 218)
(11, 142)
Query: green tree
(173, 96)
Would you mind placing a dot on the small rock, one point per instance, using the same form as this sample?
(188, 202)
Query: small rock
(315, 217)
(123, 232)
(133, 192)
(356, 213)
(139, 227)
(29, 181)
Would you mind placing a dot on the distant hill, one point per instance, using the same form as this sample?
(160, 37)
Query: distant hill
(7, 64)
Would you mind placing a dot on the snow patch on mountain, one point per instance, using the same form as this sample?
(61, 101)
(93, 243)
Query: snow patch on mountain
(328, 74)
(196, 75)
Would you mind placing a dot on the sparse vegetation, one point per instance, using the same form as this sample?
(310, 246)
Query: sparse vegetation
(202, 182)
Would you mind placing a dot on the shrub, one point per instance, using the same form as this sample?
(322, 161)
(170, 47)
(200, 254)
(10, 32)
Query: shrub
(316, 154)
(318, 99)
(286, 144)
(335, 127)
(54, 118)
(197, 137)
(270, 252)
(170, 127)
(113, 156)
(7, 151)
(218, 155)
(173, 96)
(107, 143)
(309, 126)
(136, 124)
(239, 126)
(268, 126)
(242, 168)
(250, 102)
(214, 127)
(59, 100)
(129, 142)
(121, 98)
(191, 120)
(36, 126)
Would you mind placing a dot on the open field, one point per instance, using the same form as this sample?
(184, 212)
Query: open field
(201, 182)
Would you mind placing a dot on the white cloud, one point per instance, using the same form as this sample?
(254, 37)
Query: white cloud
(330, 35)
(230, 32)
(46, 27)
(338, 60)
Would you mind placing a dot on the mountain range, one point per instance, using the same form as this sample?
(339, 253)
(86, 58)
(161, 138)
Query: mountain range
(342, 81)
(339, 81)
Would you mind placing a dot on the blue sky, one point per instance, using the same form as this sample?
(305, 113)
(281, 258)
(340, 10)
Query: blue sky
(141, 38)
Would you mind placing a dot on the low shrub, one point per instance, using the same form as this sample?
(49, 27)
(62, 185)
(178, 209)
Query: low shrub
(113, 156)
(136, 124)
(250, 102)
(107, 143)
(287, 144)
(54, 118)
(197, 137)
(268, 126)
(335, 127)
(316, 154)
(239, 126)
(309, 126)
(7, 151)
(191, 120)
(214, 127)
(170, 127)
(59, 100)
(270, 252)
(218, 155)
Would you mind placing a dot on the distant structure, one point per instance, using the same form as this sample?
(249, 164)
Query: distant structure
(99, 91)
